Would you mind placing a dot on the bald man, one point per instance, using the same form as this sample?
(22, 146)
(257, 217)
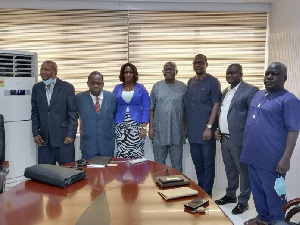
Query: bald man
(167, 117)
(54, 117)
(271, 132)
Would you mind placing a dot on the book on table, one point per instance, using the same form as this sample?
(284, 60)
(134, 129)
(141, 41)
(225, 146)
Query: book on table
(172, 180)
(99, 161)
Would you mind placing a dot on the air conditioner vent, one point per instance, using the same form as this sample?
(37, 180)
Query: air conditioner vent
(16, 65)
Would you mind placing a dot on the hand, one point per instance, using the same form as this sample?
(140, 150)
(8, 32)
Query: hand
(68, 140)
(38, 140)
(283, 165)
(207, 134)
(218, 135)
(143, 133)
(151, 134)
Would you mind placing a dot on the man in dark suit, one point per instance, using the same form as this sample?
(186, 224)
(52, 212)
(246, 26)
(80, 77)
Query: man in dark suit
(54, 117)
(96, 109)
(232, 118)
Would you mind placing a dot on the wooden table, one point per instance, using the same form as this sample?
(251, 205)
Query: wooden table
(130, 191)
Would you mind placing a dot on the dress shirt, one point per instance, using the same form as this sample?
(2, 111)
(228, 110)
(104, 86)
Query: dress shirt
(49, 90)
(100, 98)
(223, 122)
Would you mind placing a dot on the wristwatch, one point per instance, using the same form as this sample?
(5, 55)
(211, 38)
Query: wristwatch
(145, 128)
(209, 126)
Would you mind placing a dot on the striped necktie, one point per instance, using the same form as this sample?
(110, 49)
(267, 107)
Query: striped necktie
(97, 105)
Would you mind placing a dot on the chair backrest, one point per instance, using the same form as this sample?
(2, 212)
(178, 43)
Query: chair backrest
(2, 140)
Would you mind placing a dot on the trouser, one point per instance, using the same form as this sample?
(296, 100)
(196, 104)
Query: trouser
(236, 171)
(161, 153)
(51, 155)
(203, 156)
(267, 203)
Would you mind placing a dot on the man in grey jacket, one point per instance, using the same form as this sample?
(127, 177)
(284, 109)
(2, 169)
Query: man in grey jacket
(235, 103)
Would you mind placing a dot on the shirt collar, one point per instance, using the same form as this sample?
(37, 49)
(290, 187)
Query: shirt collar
(100, 96)
(235, 88)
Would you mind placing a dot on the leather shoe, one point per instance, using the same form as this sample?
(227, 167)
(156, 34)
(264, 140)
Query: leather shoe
(240, 208)
(226, 199)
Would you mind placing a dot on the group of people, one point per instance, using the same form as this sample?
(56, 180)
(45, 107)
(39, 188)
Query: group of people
(257, 129)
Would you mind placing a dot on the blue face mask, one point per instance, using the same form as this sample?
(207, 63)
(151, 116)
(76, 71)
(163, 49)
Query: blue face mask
(49, 81)
(280, 187)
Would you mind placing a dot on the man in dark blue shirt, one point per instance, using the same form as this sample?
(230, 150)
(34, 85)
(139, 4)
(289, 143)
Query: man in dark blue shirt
(204, 93)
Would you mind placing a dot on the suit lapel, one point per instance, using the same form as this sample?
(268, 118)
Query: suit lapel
(236, 95)
(42, 90)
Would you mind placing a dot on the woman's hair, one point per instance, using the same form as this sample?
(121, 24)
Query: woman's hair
(135, 73)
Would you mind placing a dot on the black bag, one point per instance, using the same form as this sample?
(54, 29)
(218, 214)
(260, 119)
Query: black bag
(54, 174)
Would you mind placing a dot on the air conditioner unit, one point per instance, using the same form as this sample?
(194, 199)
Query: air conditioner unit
(18, 74)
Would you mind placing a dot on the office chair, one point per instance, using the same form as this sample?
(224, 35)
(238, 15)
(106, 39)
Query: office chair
(291, 208)
(3, 170)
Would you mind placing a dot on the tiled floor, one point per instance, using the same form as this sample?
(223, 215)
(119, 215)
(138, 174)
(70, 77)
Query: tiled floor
(236, 219)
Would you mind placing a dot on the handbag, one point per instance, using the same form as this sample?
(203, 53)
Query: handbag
(53, 174)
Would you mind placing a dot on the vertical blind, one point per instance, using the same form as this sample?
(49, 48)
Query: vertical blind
(81, 41)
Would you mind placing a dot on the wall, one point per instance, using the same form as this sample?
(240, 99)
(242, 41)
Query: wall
(284, 46)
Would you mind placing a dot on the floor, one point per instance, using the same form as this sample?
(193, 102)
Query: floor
(236, 219)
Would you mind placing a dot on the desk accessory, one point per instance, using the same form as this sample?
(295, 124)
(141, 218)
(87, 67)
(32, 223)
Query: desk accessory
(177, 193)
(99, 161)
(194, 204)
(173, 180)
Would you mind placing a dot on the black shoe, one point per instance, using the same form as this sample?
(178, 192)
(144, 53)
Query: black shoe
(226, 199)
(240, 208)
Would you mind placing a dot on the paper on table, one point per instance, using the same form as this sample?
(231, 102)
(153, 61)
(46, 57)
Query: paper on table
(177, 193)
(135, 161)
(95, 166)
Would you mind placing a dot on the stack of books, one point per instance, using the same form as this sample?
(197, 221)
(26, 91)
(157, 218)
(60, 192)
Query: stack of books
(172, 180)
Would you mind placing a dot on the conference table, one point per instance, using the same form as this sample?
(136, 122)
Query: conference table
(130, 192)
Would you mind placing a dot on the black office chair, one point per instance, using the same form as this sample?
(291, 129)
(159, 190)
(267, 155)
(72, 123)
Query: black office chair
(291, 208)
(3, 170)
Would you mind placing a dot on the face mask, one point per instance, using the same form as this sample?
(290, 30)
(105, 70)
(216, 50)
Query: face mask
(49, 81)
(280, 187)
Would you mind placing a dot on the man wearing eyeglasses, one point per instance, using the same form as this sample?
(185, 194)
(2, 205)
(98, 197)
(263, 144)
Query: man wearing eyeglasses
(204, 93)
(270, 136)
(96, 109)
(235, 103)
(167, 117)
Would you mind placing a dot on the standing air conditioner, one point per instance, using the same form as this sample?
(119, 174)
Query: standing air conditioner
(18, 74)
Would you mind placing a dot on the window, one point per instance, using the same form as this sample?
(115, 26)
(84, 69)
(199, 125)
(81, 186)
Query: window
(81, 41)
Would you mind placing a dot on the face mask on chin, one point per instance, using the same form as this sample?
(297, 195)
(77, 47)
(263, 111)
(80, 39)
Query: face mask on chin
(49, 81)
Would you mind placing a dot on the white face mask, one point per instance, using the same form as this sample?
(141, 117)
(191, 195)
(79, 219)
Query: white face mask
(49, 81)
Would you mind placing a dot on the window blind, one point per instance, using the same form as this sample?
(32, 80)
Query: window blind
(81, 41)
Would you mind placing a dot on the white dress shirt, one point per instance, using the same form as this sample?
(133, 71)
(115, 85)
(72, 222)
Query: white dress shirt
(223, 122)
(100, 98)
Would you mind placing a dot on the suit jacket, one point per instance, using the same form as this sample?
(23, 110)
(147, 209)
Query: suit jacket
(59, 119)
(238, 110)
(139, 106)
(97, 131)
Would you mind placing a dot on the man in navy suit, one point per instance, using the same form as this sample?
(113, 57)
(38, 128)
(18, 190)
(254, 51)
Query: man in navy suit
(54, 117)
(233, 112)
(96, 109)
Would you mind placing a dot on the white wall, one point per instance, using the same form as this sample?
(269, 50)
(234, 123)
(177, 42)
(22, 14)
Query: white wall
(284, 46)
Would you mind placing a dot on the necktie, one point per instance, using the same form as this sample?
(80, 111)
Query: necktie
(97, 105)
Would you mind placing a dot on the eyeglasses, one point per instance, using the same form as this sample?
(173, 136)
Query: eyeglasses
(199, 63)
